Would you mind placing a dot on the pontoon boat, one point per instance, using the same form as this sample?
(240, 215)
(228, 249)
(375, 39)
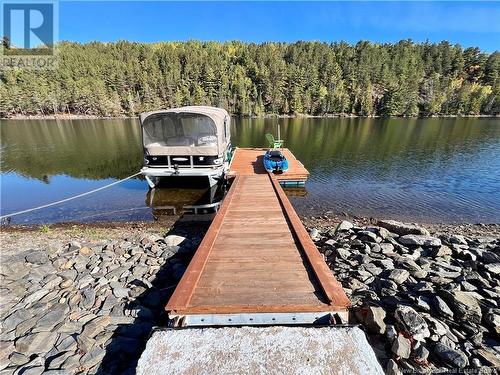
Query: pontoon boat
(186, 141)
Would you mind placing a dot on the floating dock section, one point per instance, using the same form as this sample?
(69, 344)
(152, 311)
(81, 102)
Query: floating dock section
(249, 161)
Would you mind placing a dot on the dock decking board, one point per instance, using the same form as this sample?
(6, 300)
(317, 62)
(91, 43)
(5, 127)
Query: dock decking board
(256, 256)
(249, 161)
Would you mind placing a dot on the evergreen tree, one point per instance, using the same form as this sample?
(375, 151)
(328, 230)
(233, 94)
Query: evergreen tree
(124, 78)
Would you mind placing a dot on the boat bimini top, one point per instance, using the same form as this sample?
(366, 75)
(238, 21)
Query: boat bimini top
(194, 130)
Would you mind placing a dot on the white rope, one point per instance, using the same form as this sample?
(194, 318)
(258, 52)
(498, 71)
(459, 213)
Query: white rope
(70, 198)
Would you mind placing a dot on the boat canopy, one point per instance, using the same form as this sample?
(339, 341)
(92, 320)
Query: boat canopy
(194, 130)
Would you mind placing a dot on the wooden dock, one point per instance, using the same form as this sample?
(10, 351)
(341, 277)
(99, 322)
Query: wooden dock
(257, 264)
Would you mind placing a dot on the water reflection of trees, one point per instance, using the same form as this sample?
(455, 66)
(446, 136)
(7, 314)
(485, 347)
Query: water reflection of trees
(349, 143)
(94, 149)
(99, 149)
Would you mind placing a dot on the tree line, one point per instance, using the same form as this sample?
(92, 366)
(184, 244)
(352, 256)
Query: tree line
(314, 78)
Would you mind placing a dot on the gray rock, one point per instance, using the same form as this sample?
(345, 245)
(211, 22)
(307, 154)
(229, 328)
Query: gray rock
(450, 357)
(85, 281)
(476, 363)
(401, 347)
(55, 315)
(37, 257)
(387, 264)
(421, 354)
(423, 303)
(392, 368)
(36, 343)
(493, 268)
(174, 240)
(436, 326)
(55, 362)
(368, 236)
(412, 323)
(139, 270)
(88, 299)
(118, 290)
(414, 269)
(387, 248)
(372, 317)
(489, 257)
(93, 357)
(374, 270)
(6, 349)
(491, 359)
(110, 302)
(441, 307)
(66, 343)
(72, 362)
(344, 226)
(18, 359)
(464, 305)
(96, 326)
(458, 239)
(399, 276)
(391, 333)
(69, 274)
(10, 323)
(419, 240)
(402, 228)
(468, 287)
(492, 319)
(53, 283)
(75, 245)
(85, 343)
(441, 251)
(314, 233)
(383, 233)
(34, 367)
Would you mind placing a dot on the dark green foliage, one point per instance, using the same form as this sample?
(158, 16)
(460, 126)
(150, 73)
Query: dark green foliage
(124, 79)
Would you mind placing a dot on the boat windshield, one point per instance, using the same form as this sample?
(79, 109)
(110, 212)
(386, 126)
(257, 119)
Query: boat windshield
(179, 129)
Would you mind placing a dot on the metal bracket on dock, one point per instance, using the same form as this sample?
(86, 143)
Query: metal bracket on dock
(260, 319)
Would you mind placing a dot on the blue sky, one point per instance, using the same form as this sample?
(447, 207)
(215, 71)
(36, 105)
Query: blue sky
(467, 23)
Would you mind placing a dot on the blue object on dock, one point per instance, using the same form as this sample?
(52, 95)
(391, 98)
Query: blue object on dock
(275, 161)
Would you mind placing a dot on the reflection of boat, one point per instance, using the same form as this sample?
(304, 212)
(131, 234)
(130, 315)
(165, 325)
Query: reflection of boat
(275, 161)
(178, 201)
(188, 141)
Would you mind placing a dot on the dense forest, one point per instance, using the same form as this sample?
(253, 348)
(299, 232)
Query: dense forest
(123, 79)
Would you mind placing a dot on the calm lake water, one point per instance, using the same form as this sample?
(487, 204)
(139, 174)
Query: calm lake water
(429, 170)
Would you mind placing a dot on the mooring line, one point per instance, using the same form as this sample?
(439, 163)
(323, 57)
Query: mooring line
(70, 198)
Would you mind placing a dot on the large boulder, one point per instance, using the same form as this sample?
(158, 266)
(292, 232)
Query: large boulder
(402, 228)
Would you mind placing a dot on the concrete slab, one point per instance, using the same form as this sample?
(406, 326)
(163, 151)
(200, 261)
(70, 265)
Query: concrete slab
(259, 350)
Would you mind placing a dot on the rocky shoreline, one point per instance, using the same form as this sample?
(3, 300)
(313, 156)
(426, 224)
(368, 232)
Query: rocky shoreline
(83, 299)
(430, 303)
